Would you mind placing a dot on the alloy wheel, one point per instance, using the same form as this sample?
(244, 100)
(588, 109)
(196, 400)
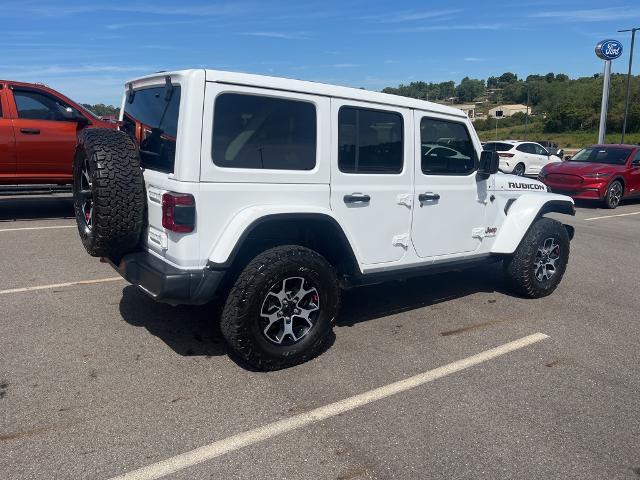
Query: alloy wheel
(546, 258)
(289, 311)
(615, 194)
(85, 194)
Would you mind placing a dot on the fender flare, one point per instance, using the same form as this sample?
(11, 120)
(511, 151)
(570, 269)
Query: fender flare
(223, 253)
(521, 214)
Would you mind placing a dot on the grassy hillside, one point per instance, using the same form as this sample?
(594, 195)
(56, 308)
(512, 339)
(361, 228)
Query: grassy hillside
(564, 139)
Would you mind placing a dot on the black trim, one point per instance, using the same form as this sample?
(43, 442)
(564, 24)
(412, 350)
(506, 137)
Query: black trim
(168, 284)
(559, 206)
(416, 271)
(283, 216)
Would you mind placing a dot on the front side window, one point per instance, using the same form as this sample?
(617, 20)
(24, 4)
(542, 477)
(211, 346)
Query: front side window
(252, 131)
(446, 148)
(151, 118)
(33, 105)
(539, 150)
(370, 141)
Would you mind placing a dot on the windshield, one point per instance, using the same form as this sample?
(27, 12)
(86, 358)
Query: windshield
(611, 156)
(497, 147)
(151, 118)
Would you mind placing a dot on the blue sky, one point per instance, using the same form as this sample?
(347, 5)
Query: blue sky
(88, 49)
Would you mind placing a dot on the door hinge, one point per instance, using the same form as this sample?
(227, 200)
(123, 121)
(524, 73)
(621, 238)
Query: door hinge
(401, 240)
(405, 199)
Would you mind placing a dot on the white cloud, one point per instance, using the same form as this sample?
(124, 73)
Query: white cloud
(281, 35)
(474, 59)
(410, 16)
(590, 15)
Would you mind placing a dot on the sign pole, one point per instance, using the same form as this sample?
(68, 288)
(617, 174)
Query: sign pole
(605, 102)
(606, 50)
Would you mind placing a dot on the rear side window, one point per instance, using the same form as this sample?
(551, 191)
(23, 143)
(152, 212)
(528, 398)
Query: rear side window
(151, 118)
(33, 105)
(370, 141)
(525, 148)
(446, 148)
(497, 147)
(252, 131)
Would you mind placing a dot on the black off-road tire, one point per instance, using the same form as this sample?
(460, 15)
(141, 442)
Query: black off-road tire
(520, 269)
(115, 184)
(613, 197)
(240, 321)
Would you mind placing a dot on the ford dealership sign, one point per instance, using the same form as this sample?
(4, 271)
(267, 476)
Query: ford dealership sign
(609, 49)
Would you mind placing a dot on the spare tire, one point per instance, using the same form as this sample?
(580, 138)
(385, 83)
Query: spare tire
(108, 192)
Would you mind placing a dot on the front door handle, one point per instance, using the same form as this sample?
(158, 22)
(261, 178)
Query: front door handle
(425, 197)
(357, 198)
(30, 131)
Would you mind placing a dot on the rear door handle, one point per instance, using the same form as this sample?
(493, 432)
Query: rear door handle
(357, 198)
(30, 131)
(425, 197)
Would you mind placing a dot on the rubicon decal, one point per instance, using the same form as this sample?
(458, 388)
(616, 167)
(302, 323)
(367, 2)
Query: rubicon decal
(527, 186)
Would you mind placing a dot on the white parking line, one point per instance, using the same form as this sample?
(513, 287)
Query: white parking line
(34, 228)
(60, 285)
(250, 437)
(611, 216)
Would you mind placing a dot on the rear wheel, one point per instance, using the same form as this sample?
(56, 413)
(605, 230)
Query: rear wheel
(519, 170)
(539, 262)
(108, 192)
(281, 309)
(613, 197)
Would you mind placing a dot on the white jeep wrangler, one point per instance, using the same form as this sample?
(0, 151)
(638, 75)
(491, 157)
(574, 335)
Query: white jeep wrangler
(278, 193)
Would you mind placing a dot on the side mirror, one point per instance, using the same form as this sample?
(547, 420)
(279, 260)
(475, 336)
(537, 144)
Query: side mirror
(635, 163)
(567, 158)
(489, 163)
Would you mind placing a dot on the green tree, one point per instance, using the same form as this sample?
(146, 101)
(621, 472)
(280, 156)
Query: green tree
(469, 89)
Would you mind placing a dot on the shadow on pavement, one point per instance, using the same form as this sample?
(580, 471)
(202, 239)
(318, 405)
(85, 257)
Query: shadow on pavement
(375, 301)
(194, 330)
(597, 205)
(188, 330)
(39, 207)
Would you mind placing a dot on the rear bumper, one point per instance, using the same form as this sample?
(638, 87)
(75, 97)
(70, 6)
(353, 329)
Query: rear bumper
(166, 283)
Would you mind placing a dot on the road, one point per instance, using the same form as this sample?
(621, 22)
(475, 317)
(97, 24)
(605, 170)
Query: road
(97, 380)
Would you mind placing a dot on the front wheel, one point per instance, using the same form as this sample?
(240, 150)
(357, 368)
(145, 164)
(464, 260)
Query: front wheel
(281, 309)
(614, 195)
(539, 262)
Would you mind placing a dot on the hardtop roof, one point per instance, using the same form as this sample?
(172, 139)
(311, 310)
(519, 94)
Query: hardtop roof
(313, 88)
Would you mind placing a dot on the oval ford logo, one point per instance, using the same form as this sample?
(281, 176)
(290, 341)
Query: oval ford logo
(609, 49)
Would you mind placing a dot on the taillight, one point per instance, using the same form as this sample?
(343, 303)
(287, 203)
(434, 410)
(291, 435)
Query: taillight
(178, 212)
(505, 154)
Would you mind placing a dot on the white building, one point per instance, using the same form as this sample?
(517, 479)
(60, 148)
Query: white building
(508, 110)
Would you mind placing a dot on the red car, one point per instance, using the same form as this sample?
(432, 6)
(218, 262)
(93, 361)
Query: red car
(38, 129)
(609, 173)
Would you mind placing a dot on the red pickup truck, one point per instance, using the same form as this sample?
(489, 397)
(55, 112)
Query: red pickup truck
(38, 130)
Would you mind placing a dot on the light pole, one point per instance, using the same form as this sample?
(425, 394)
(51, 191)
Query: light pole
(626, 98)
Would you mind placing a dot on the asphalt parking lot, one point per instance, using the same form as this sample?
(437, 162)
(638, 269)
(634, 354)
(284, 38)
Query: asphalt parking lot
(97, 380)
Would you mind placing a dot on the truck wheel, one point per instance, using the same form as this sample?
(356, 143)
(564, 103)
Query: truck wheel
(614, 195)
(108, 192)
(281, 309)
(539, 262)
